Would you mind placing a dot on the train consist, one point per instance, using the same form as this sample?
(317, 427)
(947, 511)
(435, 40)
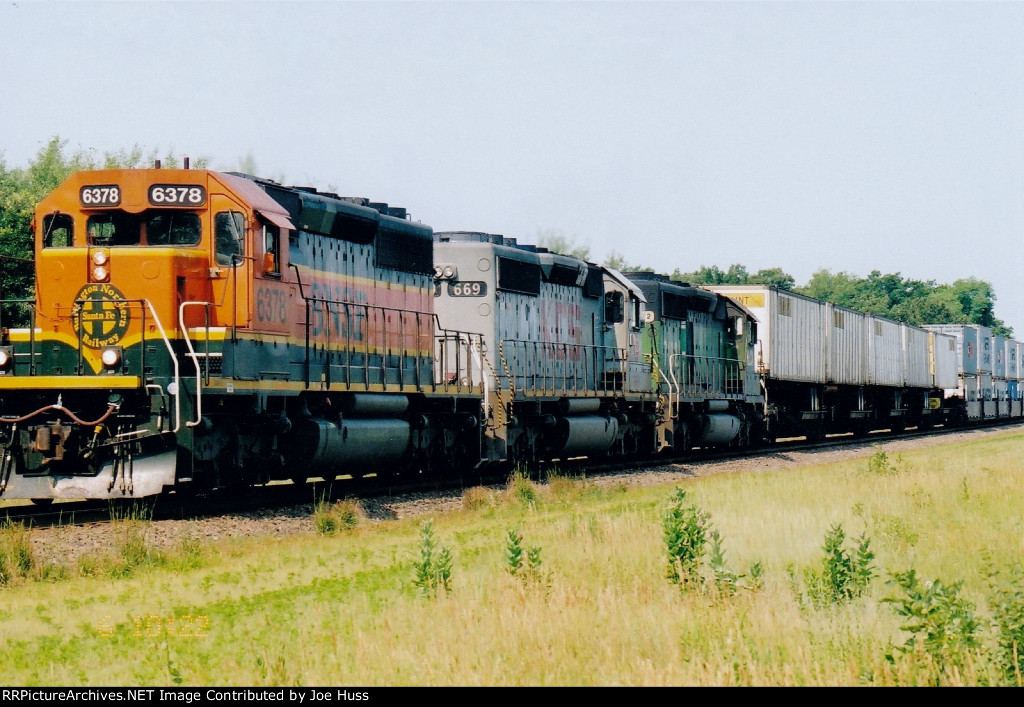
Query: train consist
(194, 330)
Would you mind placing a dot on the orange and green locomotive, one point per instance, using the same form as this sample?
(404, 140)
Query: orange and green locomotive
(191, 327)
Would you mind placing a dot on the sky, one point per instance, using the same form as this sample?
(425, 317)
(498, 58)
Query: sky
(853, 136)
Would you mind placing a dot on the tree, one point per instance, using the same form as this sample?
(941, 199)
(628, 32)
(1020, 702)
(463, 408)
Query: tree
(966, 301)
(737, 274)
(557, 242)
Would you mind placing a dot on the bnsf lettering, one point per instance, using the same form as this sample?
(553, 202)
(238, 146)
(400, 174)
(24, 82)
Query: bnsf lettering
(340, 314)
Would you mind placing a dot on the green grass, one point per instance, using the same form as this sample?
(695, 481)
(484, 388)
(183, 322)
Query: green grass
(343, 608)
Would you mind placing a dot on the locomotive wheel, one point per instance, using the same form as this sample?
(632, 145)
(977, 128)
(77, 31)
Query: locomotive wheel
(42, 502)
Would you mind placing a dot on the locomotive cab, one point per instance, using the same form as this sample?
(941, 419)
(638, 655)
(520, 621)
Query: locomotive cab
(139, 275)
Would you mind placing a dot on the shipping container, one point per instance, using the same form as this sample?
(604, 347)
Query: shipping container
(974, 346)
(791, 331)
(1012, 362)
(999, 357)
(885, 351)
(942, 348)
(986, 362)
(916, 357)
(846, 346)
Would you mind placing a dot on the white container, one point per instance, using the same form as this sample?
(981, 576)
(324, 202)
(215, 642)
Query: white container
(791, 331)
(973, 345)
(847, 360)
(885, 351)
(1012, 362)
(986, 359)
(916, 357)
(999, 357)
(942, 348)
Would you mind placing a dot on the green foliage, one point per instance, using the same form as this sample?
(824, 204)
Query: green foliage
(1007, 603)
(879, 463)
(689, 538)
(736, 275)
(329, 518)
(617, 261)
(557, 242)
(966, 301)
(940, 621)
(845, 572)
(478, 498)
(522, 489)
(323, 519)
(726, 581)
(530, 572)
(16, 556)
(514, 552)
(433, 569)
(685, 531)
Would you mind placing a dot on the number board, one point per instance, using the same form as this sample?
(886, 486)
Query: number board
(100, 195)
(467, 289)
(177, 195)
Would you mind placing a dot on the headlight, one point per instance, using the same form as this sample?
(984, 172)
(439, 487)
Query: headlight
(5, 357)
(100, 274)
(111, 356)
(99, 257)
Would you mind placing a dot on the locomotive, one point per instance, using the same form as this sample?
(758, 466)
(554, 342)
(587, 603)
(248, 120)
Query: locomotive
(194, 330)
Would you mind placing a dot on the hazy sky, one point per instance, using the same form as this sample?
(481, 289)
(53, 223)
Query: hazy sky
(853, 136)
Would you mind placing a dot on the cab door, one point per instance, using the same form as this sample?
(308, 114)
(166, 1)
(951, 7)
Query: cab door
(232, 270)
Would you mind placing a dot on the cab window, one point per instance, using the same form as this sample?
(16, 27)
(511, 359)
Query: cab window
(229, 234)
(111, 229)
(613, 307)
(156, 227)
(271, 249)
(170, 228)
(58, 231)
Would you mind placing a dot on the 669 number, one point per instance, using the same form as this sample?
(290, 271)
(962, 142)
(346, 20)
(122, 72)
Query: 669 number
(467, 289)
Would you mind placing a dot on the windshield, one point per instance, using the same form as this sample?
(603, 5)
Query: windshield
(150, 228)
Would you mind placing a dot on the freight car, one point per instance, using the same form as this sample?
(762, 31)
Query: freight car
(193, 330)
(829, 369)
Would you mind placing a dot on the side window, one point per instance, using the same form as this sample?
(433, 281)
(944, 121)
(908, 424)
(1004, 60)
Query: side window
(229, 234)
(58, 231)
(613, 308)
(271, 249)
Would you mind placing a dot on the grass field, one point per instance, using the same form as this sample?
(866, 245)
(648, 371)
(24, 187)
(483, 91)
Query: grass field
(590, 605)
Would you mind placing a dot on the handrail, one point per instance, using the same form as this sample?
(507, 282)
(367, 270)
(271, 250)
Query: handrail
(567, 368)
(707, 374)
(174, 359)
(194, 356)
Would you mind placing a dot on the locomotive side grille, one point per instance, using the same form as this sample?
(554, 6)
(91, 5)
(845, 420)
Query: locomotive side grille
(400, 250)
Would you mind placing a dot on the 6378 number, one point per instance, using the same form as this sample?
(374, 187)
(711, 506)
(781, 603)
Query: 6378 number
(177, 195)
(100, 195)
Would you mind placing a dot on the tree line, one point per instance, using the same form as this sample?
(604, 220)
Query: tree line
(965, 301)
